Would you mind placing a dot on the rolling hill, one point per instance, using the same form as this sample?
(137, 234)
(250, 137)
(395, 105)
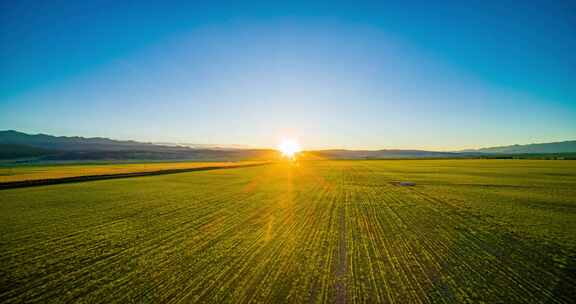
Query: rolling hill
(18, 145)
(568, 146)
(380, 154)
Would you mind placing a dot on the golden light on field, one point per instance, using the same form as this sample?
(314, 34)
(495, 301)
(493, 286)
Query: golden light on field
(289, 148)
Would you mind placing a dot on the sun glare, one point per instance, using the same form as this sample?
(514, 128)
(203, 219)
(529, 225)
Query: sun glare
(289, 148)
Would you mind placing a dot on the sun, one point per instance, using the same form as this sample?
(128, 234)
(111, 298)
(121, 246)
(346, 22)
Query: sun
(289, 148)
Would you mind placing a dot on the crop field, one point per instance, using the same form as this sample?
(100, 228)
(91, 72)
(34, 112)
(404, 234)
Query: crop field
(467, 231)
(10, 174)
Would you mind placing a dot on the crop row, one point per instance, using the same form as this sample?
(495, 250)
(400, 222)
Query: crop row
(324, 232)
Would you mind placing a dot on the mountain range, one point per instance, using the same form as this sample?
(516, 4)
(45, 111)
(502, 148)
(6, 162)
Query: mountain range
(42, 147)
(20, 146)
(568, 146)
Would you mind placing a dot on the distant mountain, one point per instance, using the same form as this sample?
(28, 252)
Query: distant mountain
(18, 145)
(206, 146)
(380, 154)
(14, 151)
(554, 147)
(75, 143)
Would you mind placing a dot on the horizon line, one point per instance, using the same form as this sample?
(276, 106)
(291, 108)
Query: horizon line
(312, 148)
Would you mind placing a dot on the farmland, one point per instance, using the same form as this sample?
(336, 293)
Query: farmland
(38, 174)
(498, 231)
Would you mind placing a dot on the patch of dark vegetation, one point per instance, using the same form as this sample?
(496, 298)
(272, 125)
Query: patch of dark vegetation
(403, 184)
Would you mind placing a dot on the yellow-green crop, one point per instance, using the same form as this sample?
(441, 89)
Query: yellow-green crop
(495, 231)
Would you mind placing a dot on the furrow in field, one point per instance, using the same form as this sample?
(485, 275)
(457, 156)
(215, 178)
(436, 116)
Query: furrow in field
(147, 246)
(321, 232)
(483, 253)
(390, 257)
(513, 257)
(274, 264)
(443, 245)
(91, 222)
(342, 267)
(111, 265)
(397, 239)
(413, 253)
(227, 229)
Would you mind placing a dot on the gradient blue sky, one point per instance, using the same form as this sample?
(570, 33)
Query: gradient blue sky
(358, 74)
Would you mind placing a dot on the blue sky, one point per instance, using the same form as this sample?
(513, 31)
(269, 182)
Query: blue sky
(359, 74)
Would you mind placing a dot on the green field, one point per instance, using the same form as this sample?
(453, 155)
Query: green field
(22, 173)
(497, 231)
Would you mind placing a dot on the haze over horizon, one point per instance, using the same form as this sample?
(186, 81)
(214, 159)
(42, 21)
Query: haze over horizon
(356, 75)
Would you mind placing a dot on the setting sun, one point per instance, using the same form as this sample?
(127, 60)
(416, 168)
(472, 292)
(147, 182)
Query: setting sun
(289, 148)
(288, 151)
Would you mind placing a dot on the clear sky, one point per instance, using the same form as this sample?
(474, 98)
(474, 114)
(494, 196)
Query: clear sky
(358, 74)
